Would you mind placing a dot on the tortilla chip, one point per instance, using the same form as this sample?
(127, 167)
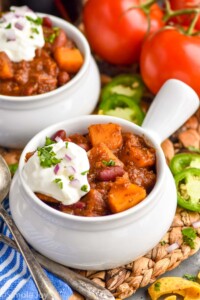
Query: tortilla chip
(171, 298)
(175, 285)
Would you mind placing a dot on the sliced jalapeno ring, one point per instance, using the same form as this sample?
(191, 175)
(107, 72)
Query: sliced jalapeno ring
(122, 107)
(128, 85)
(188, 189)
(183, 161)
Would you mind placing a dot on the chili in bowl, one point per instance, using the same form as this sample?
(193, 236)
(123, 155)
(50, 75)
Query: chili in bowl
(92, 239)
(103, 172)
(47, 74)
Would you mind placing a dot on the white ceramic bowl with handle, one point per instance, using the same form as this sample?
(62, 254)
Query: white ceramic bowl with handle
(109, 241)
(22, 117)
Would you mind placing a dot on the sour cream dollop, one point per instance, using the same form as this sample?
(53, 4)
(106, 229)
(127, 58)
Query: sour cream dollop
(21, 33)
(66, 180)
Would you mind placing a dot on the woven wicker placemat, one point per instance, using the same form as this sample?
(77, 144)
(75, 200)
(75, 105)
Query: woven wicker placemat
(125, 280)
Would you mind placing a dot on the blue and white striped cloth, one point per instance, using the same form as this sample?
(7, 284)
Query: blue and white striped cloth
(15, 280)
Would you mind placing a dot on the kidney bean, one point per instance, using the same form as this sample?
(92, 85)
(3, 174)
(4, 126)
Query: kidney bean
(60, 134)
(47, 22)
(109, 173)
(60, 40)
(79, 205)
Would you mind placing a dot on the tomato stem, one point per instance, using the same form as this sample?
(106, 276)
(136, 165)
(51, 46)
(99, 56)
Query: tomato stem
(144, 6)
(192, 24)
(174, 13)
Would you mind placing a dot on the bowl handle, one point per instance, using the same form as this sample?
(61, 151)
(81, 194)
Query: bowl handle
(172, 106)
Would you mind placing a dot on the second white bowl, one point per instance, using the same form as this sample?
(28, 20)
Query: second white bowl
(22, 117)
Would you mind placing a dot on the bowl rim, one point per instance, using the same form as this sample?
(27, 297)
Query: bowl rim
(102, 119)
(87, 54)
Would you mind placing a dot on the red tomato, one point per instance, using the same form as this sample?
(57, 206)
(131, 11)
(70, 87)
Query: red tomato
(185, 19)
(170, 54)
(115, 33)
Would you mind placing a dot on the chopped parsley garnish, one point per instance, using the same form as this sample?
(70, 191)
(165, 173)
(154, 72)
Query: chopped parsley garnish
(49, 141)
(47, 157)
(66, 144)
(51, 38)
(71, 177)
(157, 286)
(108, 163)
(189, 235)
(13, 168)
(59, 182)
(85, 172)
(8, 26)
(56, 28)
(37, 21)
(31, 37)
(35, 30)
(84, 188)
(190, 277)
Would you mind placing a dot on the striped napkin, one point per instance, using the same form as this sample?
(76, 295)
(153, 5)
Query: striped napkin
(15, 280)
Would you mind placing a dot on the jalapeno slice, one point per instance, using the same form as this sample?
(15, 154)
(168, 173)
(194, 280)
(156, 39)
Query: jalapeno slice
(188, 189)
(122, 107)
(128, 85)
(183, 161)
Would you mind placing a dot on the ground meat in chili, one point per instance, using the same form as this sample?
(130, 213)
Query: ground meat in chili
(40, 75)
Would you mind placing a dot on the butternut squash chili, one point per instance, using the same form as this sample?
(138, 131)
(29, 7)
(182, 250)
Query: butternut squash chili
(53, 65)
(122, 171)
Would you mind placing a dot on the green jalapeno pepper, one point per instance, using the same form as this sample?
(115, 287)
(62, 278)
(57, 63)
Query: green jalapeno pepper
(127, 85)
(122, 107)
(188, 189)
(183, 161)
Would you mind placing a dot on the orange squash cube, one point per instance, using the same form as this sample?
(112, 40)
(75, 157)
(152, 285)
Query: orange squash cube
(68, 59)
(109, 134)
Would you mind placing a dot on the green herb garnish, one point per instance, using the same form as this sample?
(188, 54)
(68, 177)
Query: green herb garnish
(84, 188)
(189, 235)
(157, 286)
(31, 37)
(56, 28)
(13, 168)
(51, 38)
(35, 30)
(66, 144)
(71, 177)
(49, 141)
(8, 26)
(190, 277)
(47, 157)
(85, 172)
(59, 182)
(37, 21)
(108, 163)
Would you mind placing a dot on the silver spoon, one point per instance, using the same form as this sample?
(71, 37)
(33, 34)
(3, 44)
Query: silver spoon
(44, 285)
(86, 287)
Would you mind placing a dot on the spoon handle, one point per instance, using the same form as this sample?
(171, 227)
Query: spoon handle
(84, 286)
(44, 285)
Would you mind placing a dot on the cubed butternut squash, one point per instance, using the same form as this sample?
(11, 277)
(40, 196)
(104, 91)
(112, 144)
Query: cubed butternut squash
(68, 59)
(141, 156)
(100, 154)
(124, 195)
(6, 70)
(109, 134)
